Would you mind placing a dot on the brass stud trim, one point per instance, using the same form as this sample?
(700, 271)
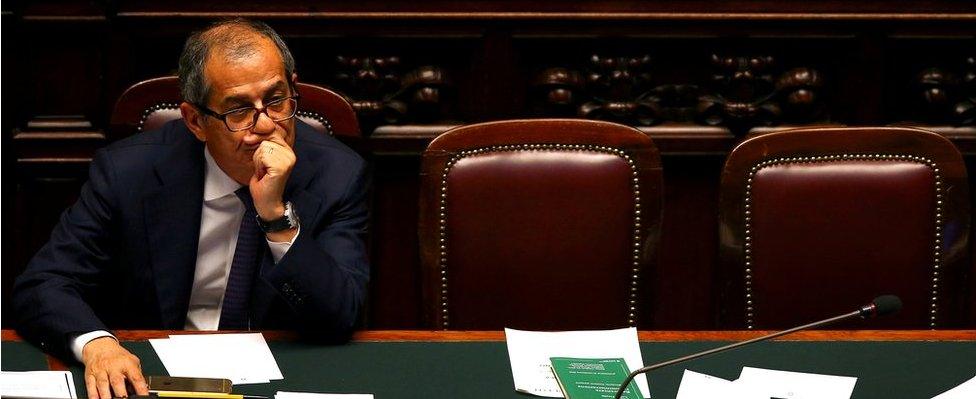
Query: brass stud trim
(320, 118)
(750, 308)
(150, 110)
(634, 183)
(166, 105)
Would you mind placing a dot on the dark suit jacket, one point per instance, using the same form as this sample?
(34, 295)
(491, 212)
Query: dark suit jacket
(123, 256)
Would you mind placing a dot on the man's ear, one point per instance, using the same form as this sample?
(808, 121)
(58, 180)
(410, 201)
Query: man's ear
(194, 120)
(294, 78)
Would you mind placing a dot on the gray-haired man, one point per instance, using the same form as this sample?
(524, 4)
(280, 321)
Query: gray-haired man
(235, 217)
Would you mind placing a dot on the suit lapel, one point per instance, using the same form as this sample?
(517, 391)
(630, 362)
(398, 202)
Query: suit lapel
(172, 215)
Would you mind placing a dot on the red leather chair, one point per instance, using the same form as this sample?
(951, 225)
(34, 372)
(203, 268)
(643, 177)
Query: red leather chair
(151, 103)
(816, 222)
(538, 224)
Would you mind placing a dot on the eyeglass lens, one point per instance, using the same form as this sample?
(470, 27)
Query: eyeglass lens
(245, 118)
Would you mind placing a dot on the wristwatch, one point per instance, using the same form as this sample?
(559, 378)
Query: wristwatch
(287, 221)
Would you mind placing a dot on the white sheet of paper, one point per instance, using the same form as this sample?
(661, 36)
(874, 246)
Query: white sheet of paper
(966, 390)
(180, 361)
(247, 352)
(529, 353)
(242, 358)
(37, 384)
(311, 395)
(767, 383)
(703, 386)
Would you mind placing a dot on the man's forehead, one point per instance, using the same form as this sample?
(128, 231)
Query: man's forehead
(231, 72)
(245, 92)
(229, 88)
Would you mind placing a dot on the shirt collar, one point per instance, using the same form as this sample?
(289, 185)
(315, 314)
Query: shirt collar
(216, 183)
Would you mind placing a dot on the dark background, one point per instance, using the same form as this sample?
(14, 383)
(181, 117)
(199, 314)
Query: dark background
(66, 62)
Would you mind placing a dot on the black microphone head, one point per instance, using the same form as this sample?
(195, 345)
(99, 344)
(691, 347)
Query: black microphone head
(886, 304)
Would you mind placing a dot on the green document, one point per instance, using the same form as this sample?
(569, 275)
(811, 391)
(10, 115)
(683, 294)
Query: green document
(592, 378)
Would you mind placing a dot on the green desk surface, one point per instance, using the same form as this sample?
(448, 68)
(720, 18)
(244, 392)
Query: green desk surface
(20, 356)
(905, 369)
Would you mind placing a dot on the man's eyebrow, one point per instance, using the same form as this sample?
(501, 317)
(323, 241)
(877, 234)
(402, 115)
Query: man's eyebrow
(280, 85)
(236, 100)
(243, 100)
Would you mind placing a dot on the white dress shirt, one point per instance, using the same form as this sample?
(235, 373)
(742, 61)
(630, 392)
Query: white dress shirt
(220, 221)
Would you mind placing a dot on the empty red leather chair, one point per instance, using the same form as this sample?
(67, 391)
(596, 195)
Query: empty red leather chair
(151, 103)
(816, 222)
(538, 224)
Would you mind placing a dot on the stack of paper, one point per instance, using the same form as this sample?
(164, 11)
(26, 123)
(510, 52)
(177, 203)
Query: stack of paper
(529, 353)
(241, 358)
(37, 384)
(309, 395)
(762, 383)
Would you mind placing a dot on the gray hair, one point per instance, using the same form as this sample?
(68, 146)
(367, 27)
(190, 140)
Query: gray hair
(235, 37)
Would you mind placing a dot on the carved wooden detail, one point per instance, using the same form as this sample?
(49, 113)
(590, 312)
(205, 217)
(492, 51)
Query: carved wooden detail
(384, 91)
(742, 92)
(746, 92)
(948, 96)
(559, 89)
(616, 85)
(607, 88)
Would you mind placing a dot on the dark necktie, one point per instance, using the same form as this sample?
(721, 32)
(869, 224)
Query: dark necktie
(243, 269)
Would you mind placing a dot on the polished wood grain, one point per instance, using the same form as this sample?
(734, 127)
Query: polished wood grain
(499, 336)
(644, 336)
(579, 9)
(616, 16)
(679, 336)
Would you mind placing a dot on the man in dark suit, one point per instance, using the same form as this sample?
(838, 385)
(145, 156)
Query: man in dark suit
(235, 217)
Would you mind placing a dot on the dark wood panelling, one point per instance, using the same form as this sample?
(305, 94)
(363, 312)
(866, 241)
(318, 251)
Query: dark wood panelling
(11, 112)
(931, 80)
(681, 291)
(65, 62)
(395, 285)
(571, 9)
(60, 9)
(50, 163)
(62, 69)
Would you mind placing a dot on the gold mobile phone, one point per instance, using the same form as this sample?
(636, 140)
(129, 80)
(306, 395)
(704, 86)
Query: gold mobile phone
(163, 383)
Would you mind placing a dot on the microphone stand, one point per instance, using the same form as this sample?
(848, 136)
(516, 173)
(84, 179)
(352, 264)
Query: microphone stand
(863, 312)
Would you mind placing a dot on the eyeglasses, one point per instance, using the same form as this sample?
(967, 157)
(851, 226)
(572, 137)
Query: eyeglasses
(244, 118)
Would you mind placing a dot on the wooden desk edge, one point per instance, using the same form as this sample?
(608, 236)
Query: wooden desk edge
(675, 336)
(499, 336)
(644, 336)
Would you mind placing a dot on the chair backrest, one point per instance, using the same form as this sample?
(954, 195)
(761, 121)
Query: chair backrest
(541, 224)
(151, 103)
(816, 222)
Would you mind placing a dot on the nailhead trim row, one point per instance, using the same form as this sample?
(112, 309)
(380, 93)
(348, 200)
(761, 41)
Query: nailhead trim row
(321, 119)
(442, 216)
(937, 252)
(162, 106)
(149, 111)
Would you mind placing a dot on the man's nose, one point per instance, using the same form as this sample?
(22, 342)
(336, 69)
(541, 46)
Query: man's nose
(263, 125)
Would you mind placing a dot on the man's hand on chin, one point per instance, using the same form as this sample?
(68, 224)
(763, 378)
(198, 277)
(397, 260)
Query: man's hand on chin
(108, 366)
(273, 163)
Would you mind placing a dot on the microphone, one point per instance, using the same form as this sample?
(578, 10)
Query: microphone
(881, 306)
